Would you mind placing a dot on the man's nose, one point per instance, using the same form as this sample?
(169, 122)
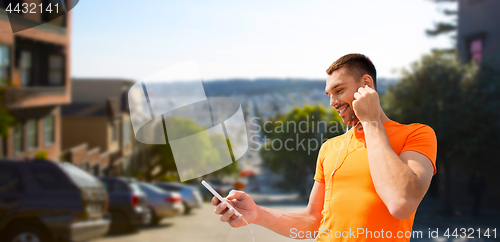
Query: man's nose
(333, 102)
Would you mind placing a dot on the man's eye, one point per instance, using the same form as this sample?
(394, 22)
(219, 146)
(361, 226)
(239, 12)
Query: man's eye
(339, 90)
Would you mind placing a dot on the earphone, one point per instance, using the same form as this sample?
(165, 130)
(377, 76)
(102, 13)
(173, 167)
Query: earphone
(331, 175)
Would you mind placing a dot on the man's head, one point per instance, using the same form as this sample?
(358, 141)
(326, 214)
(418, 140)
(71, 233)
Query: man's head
(345, 76)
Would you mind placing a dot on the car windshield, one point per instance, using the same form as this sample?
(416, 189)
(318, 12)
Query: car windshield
(80, 177)
(169, 186)
(151, 188)
(136, 188)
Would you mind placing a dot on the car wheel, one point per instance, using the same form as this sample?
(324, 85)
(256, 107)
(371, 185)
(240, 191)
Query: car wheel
(187, 209)
(120, 223)
(155, 220)
(28, 234)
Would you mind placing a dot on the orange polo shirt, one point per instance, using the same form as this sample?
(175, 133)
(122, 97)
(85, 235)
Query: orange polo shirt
(353, 210)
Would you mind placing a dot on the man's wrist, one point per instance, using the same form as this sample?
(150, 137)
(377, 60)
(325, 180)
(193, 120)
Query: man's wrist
(258, 216)
(372, 125)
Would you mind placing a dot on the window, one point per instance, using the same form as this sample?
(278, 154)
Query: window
(471, 2)
(31, 134)
(79, 176)
(114, 130)
(476, 50)
(4, 64)
(85, 166)
(135, 187)
(147, 188)
(50, 179)
(10, 180)
(56, 64)
(105, 184)
(126, 132)
(119, 186)
(95, 170)
(18, 138)
(48, 130)
(169, 187)
(25, 68)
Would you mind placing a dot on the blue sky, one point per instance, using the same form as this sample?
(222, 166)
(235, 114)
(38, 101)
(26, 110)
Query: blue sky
(248, 39)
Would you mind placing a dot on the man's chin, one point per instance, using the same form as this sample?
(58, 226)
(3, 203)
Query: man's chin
(351, 121)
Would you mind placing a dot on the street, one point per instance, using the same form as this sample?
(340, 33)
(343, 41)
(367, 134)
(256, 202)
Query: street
(201, 225)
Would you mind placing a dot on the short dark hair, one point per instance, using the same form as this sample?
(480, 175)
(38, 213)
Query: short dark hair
(357, 65)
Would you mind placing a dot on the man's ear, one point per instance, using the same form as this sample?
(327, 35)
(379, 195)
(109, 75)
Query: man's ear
(367, 80)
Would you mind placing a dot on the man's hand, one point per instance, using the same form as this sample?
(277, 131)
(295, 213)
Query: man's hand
(241, 202)
(366, 105)
(280, 222)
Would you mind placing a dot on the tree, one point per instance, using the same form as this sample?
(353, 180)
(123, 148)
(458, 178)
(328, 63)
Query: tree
(445, 28)
(292, 143)
(6, 119)
(161, 160)
(440, 92)
(441, 28)
(228, 170)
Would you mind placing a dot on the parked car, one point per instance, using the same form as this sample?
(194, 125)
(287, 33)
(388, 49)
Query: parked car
(49, 201)
(161, 203)
(127, 204)
(191, 197)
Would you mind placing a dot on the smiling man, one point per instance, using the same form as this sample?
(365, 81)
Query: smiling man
(368, 187)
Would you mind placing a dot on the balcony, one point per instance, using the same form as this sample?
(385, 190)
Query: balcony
(22, 97)
(38, 73)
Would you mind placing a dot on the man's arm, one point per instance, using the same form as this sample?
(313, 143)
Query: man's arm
(400, 181)
(277, 221)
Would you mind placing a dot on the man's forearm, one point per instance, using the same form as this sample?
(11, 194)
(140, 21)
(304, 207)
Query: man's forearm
(283, 222)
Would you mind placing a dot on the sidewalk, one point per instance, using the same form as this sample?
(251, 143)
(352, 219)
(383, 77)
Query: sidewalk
(427, 220)
(468, 228)
(278, 198)
(273, 199)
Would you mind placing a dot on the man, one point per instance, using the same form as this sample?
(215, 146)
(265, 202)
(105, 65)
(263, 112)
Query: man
(382, 170)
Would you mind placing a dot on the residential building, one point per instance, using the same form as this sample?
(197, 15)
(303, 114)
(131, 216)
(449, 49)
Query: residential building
(98, 119)
(35, 73)
(478, 36)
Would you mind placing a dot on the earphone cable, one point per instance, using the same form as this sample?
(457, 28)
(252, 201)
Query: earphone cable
(335, 167)
(251, 231)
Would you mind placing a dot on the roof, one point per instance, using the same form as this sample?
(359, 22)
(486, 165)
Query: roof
(84, 109)
(99, 80)
(109, 108)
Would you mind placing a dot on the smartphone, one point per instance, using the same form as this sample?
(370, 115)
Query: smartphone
(216, 194)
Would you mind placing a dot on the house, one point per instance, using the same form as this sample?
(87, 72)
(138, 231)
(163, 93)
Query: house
(478, 35)
(96, 127)
(35, 73)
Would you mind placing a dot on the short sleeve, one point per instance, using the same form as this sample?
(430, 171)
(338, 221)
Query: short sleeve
(423, 140)
(319, 176)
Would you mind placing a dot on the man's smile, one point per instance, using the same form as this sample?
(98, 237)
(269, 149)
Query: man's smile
(342, 110)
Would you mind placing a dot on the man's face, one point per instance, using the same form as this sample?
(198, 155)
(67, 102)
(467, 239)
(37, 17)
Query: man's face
(340, 87)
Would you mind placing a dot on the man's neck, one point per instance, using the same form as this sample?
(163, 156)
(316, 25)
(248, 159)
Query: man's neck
(383, 119)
